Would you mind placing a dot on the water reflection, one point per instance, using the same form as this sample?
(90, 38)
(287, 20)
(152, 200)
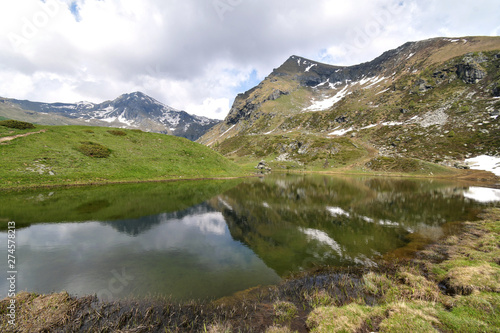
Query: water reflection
(210, 239)
(185, 255)
(295, 222)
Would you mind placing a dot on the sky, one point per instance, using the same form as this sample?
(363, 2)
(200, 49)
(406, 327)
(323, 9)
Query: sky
(197, 55)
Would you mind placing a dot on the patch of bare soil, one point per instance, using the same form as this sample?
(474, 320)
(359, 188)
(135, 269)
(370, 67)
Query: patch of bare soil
(10, 138)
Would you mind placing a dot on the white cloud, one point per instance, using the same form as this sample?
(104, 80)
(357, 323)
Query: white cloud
(197, 55)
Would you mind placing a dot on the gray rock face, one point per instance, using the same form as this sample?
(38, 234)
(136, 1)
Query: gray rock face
(496, 91)
(277, 94)
(470, 72)
(422, 85)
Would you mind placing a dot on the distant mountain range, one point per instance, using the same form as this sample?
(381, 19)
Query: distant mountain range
(134, 110)
(436, 100)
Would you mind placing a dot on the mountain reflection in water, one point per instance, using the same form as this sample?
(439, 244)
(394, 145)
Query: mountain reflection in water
(209, 239)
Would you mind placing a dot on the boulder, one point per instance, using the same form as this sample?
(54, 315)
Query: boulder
(460, 165)
(262, 166)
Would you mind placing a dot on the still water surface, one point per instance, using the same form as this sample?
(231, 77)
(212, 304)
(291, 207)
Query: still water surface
(208, 239)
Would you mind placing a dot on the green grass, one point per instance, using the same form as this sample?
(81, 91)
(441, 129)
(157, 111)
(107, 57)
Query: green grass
(474, 313)
(349, 318)
(53, 157)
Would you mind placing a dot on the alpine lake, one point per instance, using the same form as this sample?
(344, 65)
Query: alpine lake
(195, 240)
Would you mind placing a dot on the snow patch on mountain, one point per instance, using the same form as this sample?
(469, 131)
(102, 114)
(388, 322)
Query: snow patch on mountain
(326, 103)
(341, 132)
(309, 67)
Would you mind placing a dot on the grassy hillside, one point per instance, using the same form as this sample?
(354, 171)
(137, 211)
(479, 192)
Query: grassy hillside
(56, 155)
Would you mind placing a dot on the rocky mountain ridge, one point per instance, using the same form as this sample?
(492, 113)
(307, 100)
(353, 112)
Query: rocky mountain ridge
(134, 110)
(435, 100)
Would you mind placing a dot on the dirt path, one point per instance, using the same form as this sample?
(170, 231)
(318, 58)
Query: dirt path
(372, 152)
(9, 138)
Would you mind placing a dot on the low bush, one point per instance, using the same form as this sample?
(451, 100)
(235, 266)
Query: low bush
(93, 149)
(16, 124)
(117, 132)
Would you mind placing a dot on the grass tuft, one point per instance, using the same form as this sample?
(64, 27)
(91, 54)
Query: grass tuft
(349, 318)
(284, 311)
(410, 317)
(465, 279)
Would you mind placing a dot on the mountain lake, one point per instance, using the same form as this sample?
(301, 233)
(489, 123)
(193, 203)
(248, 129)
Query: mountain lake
(208, 239)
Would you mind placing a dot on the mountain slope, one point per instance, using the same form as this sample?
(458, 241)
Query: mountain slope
(67, 155)
(135, 110)
(436, 100)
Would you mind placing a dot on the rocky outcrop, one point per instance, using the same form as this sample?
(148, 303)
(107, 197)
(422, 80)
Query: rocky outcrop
(241, 111)
(496, 91)
(422, 85)
(277, 94)
(470, 72)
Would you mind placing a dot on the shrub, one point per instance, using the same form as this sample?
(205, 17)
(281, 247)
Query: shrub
(16, 124)
(117, 132)
(93, 149)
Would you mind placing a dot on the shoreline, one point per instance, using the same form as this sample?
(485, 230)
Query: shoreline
(118, 182)
(464, 176)
(453, 275)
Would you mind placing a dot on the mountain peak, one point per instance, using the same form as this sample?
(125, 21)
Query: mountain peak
(297, 64)
(426, 88)
(135, 95)
(130, 110)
